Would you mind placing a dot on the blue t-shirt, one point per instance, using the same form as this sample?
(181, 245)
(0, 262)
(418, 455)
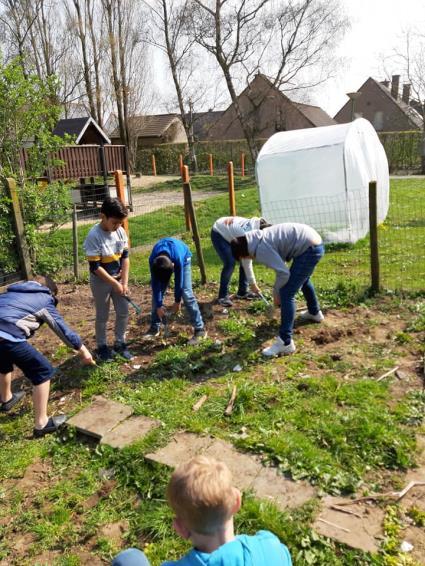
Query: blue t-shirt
(262, 549)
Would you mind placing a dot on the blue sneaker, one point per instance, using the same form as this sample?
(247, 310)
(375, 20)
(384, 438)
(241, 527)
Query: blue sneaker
(105, 354)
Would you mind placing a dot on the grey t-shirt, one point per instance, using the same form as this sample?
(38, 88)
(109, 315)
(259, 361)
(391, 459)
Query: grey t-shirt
(280, 243)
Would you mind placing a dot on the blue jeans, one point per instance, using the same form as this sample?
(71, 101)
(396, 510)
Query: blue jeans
(189, 301)
(224, 251)
(301, 270)
(32, 363)
(130, 557)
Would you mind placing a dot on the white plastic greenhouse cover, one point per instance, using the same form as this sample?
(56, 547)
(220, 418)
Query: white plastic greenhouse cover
(320, 177)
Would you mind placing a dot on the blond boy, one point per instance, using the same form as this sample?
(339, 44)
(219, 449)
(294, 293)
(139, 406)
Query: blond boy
(204, 501)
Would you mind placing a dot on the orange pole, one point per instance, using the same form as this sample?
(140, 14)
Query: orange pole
(186, 179)
(231, 182)
(242, 164)
(120, 186)
(181, 165)
(210, 161)
(153, 165)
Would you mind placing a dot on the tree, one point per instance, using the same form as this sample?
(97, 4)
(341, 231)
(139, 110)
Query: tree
(284, 39)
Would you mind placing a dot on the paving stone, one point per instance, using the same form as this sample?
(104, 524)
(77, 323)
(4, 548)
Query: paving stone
(183, 447)
(100, 417)
(244, 468)
(128, 431)
(283, 492)
(363, 532)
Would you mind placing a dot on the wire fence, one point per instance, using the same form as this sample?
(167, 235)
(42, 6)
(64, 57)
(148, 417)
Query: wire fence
(159, 211)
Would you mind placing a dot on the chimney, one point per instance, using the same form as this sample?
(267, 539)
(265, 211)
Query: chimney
(395, 85)
(406, 93)
(385, 83)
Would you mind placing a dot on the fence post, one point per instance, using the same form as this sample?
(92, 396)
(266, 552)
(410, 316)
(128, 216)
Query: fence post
(75, 241)
(195, 232)
(185, 179)
(373, 232)
(181, 165)
(104, 169)
(21, 241)
(242, 164)
(119, 184)
(210, 164)
(153, 165)
(231, 182)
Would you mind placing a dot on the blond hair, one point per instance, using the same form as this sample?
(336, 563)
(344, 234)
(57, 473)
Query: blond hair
(201, 493)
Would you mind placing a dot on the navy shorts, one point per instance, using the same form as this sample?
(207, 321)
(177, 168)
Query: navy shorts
(21, 354)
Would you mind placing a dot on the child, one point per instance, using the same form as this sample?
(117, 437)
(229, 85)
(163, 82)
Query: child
(169, 256)
(274, 246)
(204, 501)
(224, 230)
(23, 309)
(106, 247)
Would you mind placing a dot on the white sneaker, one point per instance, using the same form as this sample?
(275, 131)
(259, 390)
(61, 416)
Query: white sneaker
(278, 347)
(307, 316)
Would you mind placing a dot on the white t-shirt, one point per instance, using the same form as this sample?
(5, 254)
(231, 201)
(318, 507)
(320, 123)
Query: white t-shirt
(231, 227)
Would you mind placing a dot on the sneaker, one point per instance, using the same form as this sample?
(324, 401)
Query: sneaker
(308, 317)
(105, 354)
(197, 337)
(8, 405)
(122, 350)
(225, 302)
(278, 347)
(53, 424)
(153, 332)
(248, 296)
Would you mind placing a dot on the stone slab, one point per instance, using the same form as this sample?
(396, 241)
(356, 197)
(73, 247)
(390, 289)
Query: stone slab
(128, 431)
(100, 417)
(283, 492)
(183, 447)
(362, 531)
(244, 468)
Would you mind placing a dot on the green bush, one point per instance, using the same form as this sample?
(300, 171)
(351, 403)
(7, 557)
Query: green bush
(403, 150)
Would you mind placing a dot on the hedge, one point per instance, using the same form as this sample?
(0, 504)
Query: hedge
(403, 151)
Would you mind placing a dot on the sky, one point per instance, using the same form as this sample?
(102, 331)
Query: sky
(376, 29)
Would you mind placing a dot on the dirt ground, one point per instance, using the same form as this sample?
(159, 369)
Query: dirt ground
(336, 337)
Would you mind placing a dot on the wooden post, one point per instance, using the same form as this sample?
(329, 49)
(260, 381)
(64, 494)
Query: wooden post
(242, 164)
(186, 179)
(153, 165)
(210, 164)
(104, 169)
(120, 186)
(373, 233)
(231, 182)
(21, 241)
(75, 241)
(195, 232)
(181, 165)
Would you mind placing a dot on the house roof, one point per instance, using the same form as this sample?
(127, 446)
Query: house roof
(76, 127)
(149, 126)
(317, 116)
(203, 121)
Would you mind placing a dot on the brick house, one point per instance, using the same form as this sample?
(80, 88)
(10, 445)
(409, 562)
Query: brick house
(382, 105)
(151, 130)
(267, 111)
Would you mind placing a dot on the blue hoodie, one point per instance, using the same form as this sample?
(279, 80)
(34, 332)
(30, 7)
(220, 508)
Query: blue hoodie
(180, 255)
(23, 309)
(262, 549)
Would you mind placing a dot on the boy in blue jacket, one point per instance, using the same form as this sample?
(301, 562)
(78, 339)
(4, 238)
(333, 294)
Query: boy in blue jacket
(169, 256)
(23, 309)
(204, 501)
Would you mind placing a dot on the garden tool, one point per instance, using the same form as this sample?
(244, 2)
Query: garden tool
(134, 305)
(270, 308)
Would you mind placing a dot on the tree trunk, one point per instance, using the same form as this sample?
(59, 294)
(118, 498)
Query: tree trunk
(96, 59)
(86, 68)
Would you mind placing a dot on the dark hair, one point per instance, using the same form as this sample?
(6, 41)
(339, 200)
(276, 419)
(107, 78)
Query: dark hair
(48, 282)
(162, 268)
(264, 223)
(113, 208)
(239, 247)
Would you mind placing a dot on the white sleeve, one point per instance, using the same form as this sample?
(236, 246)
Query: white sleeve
(249, 271)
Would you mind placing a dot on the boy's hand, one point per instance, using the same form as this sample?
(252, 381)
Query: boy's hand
(175, 308)
(160, 311)
(124, 288)
(255, 288)
(118, 288)
(86, 357)
(276, 300)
